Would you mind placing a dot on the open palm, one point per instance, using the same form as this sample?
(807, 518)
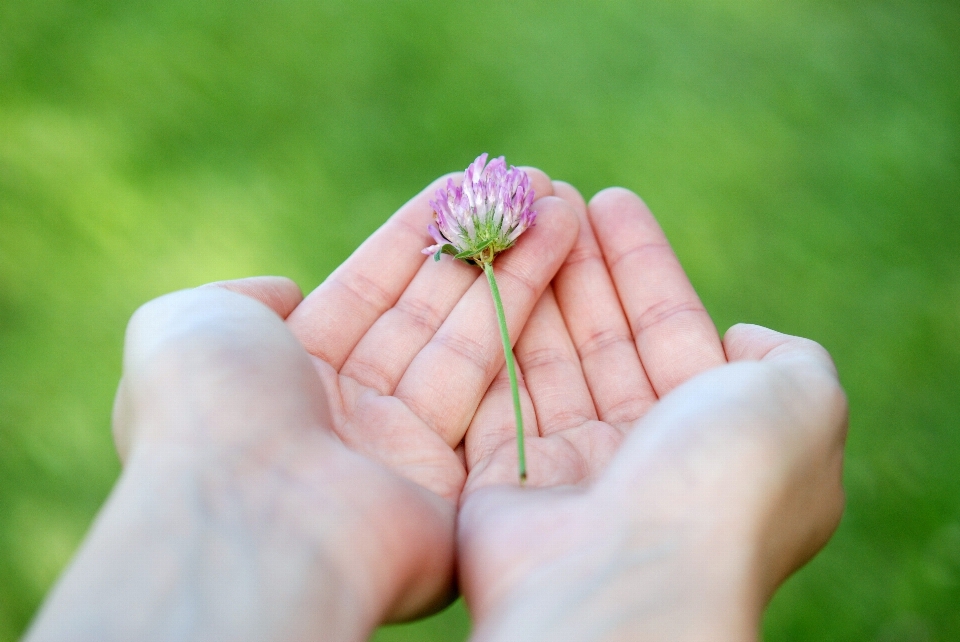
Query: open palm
(406, 347)
(620, 327)
(356, 461)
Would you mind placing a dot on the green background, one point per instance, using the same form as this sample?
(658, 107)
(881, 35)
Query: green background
(802, 156)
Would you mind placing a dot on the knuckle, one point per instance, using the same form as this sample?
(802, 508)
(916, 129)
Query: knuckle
(664, 311)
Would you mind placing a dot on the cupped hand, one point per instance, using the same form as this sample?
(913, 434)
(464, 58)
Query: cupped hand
(674, 479)
(620, 327)
(240, 514)
(400, 349)
(407, 346)
(291, 466)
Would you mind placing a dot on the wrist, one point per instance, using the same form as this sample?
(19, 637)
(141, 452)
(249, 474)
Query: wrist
(188, 547)
(619, 580)
(168, 558)
(335, 534)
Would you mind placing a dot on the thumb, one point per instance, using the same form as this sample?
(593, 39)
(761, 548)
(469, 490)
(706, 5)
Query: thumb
(747, 342)
(278, 293)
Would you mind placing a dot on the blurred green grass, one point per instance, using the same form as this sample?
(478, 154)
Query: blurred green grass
(803, 157)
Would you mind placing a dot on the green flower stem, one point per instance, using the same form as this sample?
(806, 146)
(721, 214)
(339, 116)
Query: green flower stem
(511, 368)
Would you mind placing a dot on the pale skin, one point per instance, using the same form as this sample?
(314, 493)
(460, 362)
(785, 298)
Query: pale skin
(682, 478)
(308, 469)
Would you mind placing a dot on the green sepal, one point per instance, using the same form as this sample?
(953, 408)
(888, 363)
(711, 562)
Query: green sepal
(473, 251)
(446, 249)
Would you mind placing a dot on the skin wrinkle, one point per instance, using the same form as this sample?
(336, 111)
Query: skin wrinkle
(600, 340)
(583, 466)
(366, 291)
(440, 423)
(510, 279)
(502, 383)
(375, 375)
(616, 401)
(471, 350)
(551, 367)
(597, 452)
(411, 323)
(313, 339)
(520, 275)
(663, 311)
(492, 439)
(423, 313)
(623, 414)
(584, 254)
(639, 251)
(414, 230)
(545, 401)
(564, 420)
(545, 357)
(321, 327)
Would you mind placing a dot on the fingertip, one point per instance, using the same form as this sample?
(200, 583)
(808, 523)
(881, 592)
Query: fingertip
(616, 199)
(280, 294)
(541, 183)
(586, 243)
(616, 211)
(572, 195)
(456, 177)
(549, 241)
(559, 215)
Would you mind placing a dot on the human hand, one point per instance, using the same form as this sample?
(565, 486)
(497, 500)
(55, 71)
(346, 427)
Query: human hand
(239, 514)
(674, 490)
(406, 346)
(274, 493)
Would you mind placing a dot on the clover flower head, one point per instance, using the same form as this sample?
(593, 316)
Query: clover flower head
(484, 215)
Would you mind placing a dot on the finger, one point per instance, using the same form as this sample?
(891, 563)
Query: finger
(552, 370)
(554, 392)
(599, 330)
(674, 334)
(333, 318)
(539, 181)
(746, 342)
(384, 353)
(805, 363)
(278, 293)
(494, 422)
(447, 379)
